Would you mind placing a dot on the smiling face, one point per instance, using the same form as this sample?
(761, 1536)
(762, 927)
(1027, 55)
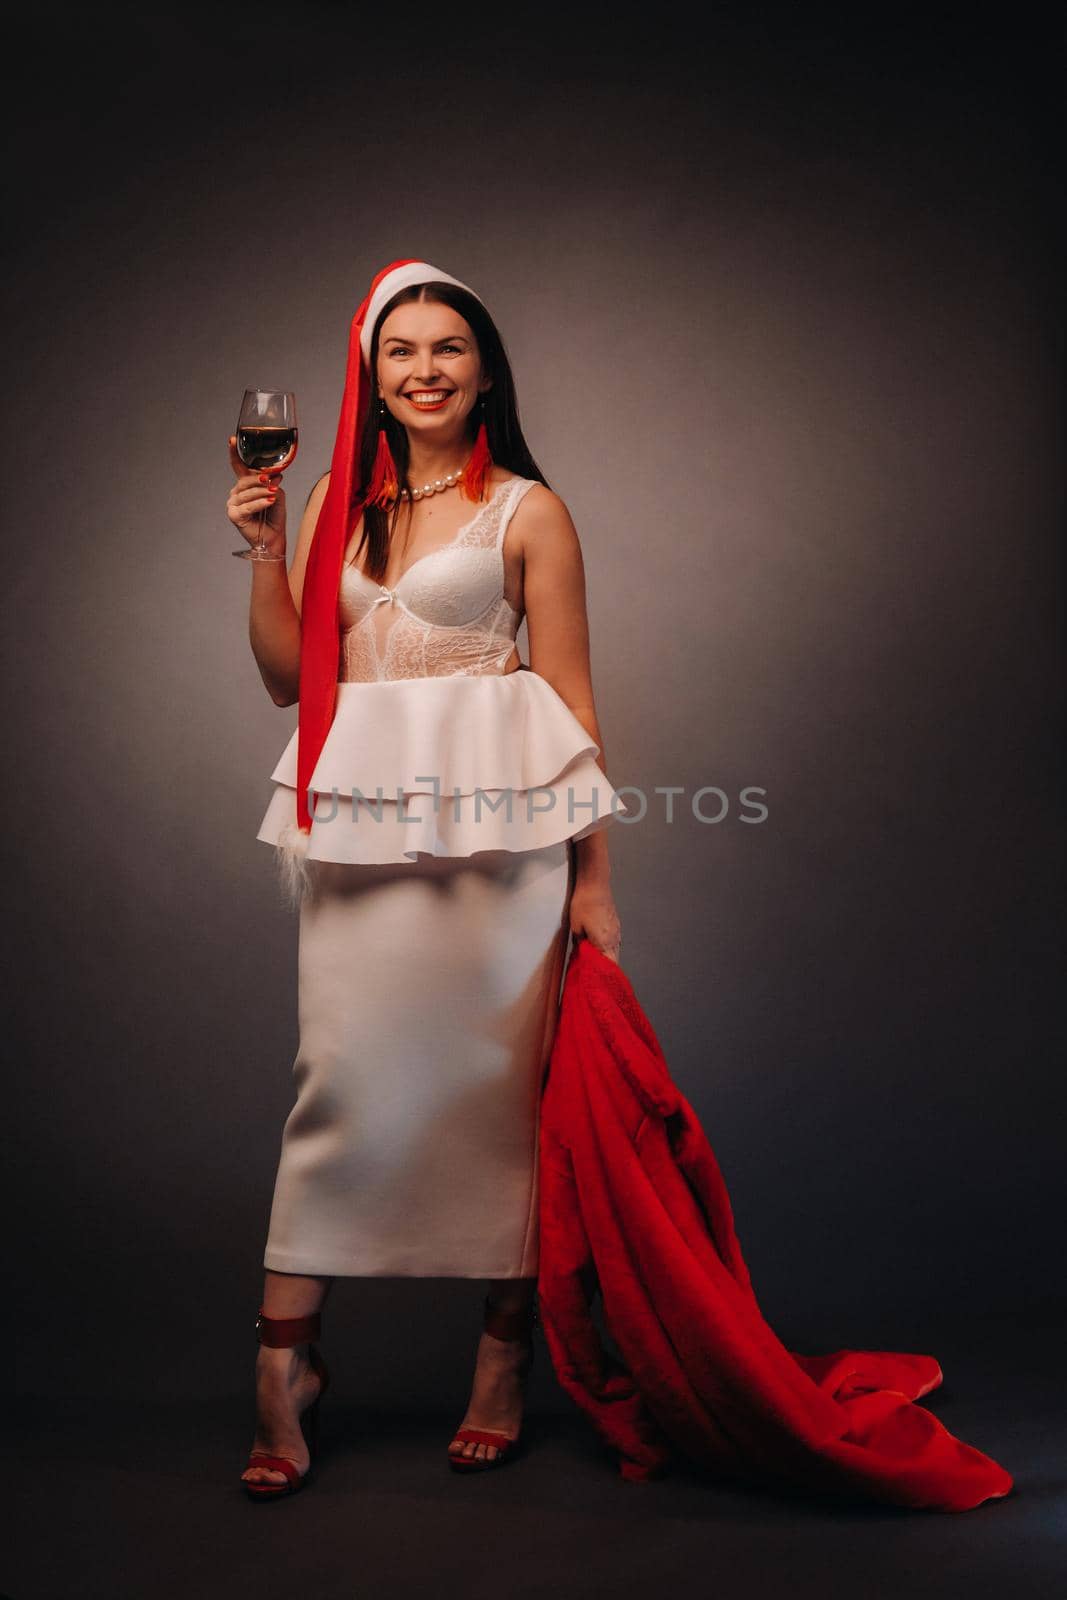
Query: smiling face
(429, 369)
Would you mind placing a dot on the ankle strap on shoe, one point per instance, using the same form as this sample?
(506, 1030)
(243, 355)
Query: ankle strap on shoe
(281, 1332)
(509, 1324)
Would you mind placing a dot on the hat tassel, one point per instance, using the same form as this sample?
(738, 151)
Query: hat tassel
(294, 867)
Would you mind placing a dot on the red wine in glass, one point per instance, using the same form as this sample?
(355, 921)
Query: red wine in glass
(266, 442)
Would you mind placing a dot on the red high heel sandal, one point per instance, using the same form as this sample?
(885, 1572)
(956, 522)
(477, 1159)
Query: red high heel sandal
(281, 1333)
(502, 1325)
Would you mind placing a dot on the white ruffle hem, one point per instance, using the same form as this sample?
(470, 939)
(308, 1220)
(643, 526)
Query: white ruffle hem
(441, 766)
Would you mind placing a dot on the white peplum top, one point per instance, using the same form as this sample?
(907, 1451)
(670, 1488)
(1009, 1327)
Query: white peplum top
(434, 749)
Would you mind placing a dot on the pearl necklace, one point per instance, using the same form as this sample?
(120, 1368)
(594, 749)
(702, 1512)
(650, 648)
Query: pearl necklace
(449, 481)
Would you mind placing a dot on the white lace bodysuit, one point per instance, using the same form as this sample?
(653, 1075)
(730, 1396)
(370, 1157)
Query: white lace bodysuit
(445, 615)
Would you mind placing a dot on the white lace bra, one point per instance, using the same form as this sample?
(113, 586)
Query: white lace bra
(446, 615)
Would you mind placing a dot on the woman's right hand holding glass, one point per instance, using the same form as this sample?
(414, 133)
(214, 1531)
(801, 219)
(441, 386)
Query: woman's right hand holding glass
(252, 493)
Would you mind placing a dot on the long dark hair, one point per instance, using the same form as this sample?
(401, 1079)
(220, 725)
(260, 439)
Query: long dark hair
(507, 446)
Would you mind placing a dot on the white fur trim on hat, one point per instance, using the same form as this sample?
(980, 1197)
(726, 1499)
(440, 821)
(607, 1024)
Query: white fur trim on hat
(403, 278)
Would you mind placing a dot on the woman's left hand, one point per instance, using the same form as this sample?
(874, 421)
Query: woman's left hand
(593, 917)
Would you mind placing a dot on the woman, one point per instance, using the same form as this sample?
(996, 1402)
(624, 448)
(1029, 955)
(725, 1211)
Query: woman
(440, 815)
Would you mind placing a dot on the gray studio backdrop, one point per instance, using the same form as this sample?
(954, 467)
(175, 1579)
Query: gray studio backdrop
(783, 327)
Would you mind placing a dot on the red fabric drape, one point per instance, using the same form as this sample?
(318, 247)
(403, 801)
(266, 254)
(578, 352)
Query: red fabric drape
(632, 1199)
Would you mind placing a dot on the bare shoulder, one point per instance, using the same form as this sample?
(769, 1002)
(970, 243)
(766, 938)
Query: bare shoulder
(306, 533)
(543, 525)
(318, 491)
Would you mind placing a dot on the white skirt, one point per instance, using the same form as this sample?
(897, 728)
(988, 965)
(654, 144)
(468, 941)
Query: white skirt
(428, 1002)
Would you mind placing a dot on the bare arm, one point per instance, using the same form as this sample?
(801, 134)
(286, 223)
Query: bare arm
(558, 628)
(275, 609)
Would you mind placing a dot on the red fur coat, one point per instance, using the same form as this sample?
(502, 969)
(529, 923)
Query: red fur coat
(632, 1200)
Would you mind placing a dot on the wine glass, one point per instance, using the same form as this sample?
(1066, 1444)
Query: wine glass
(266, 442)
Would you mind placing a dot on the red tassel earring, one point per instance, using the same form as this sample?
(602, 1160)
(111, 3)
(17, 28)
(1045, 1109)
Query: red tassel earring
(478, 468)
(384, 483)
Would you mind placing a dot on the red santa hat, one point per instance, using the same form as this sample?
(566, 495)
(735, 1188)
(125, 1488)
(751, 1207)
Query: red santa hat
(319, 623)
